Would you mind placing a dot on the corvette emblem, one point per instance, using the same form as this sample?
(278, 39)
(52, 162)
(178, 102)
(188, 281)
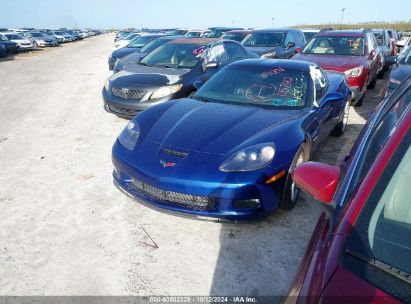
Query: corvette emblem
(166, 164)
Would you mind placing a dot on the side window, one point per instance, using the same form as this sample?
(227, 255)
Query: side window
(216, 53)
(289, 39)
(234, 52)
(380, 239)
(373, 41)
(296, 37)
(381, 133)
(320, 82)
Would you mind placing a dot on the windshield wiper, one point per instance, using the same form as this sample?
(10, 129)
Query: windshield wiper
(406, 277)
(201, 98)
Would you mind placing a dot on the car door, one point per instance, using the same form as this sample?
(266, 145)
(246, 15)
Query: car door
(373, 56)
(325, 114)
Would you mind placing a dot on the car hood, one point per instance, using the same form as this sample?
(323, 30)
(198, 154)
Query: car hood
(133, 58)
(120, 53)
(140, 75)
(263, 50)
(208, 127)
(338, 63)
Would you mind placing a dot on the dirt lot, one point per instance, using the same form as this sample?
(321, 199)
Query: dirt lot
(66, 230)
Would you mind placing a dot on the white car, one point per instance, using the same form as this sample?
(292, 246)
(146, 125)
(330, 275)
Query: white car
(60, 38)
(125, 41)
(24, 43)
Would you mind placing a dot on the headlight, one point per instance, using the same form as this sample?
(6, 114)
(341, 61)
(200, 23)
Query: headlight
(355, 72)
(129, 136)
(395, 81)
(166, 91)
(269, 55)
(250, 159)
(107, 84)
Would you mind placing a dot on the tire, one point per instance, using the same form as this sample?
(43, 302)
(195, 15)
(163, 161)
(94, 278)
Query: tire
(291, 190)
(373, 83)
(192, 94)
(35, 44)
(340, 128)
(381, 73)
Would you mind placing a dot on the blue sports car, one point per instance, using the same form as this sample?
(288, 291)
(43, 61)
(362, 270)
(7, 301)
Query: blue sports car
(227, 152)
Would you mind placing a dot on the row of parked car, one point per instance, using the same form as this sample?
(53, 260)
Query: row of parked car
(18, 40)
(226, 130)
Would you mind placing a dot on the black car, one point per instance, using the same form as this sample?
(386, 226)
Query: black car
(3, 50)
(174, 70)
(134, 46)
(275, 43)
(11, 47)
(400, 71)
(135, 57)
(217, 32)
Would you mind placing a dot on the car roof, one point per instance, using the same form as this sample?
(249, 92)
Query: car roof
(274, 30)
(240, 31)
(199, 41)
(357, 33)
(276, 63)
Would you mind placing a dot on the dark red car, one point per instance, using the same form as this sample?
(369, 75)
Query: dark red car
(360, 251)
(355, 53)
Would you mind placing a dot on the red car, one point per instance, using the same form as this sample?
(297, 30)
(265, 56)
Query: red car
(360, 251)
(355, 53)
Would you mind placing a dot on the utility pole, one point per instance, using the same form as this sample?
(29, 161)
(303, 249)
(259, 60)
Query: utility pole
(342, 17)
(272, 22)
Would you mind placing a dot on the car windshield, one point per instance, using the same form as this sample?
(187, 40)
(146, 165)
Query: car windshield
(405, 57)
(381, 235)
(309, 35)
(131, 36)
(37, 34)
(14, 37)
(216, 33)
(264, 39)
(336, 45)
(234, 36)
(379, 38)
(151, 46)
(193, 34)
(270, 87)
(174, 55)
(177, 32)
(140, 41)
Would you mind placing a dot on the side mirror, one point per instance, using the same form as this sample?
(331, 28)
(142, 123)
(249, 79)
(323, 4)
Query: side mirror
(391, 60)
(210, 65)
(198, 84)
(331, 97)
(290, 45)
(317, 179)
(297, 50)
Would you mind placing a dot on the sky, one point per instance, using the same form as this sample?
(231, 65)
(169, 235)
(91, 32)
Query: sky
(194, 14)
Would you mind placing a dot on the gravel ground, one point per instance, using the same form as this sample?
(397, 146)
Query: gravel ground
(66, 230)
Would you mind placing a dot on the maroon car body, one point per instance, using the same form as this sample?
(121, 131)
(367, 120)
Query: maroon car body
(360, 251)
(335, 51)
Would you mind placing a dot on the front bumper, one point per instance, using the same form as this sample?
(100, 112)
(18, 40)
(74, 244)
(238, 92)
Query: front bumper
(225, 197)
(128, 108)
(45, 43)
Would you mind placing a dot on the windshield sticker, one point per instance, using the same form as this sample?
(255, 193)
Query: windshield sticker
(272, 72)
(261, 92)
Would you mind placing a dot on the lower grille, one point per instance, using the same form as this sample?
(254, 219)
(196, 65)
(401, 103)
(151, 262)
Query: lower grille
(128, 94)
(188, 201)
(122, 110)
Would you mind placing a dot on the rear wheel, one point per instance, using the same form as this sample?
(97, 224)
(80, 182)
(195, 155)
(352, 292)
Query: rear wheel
(291, 190)
(340, 128)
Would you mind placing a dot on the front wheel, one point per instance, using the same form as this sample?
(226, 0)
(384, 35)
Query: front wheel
(291, 190)
(35, 44)
(373, 83)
